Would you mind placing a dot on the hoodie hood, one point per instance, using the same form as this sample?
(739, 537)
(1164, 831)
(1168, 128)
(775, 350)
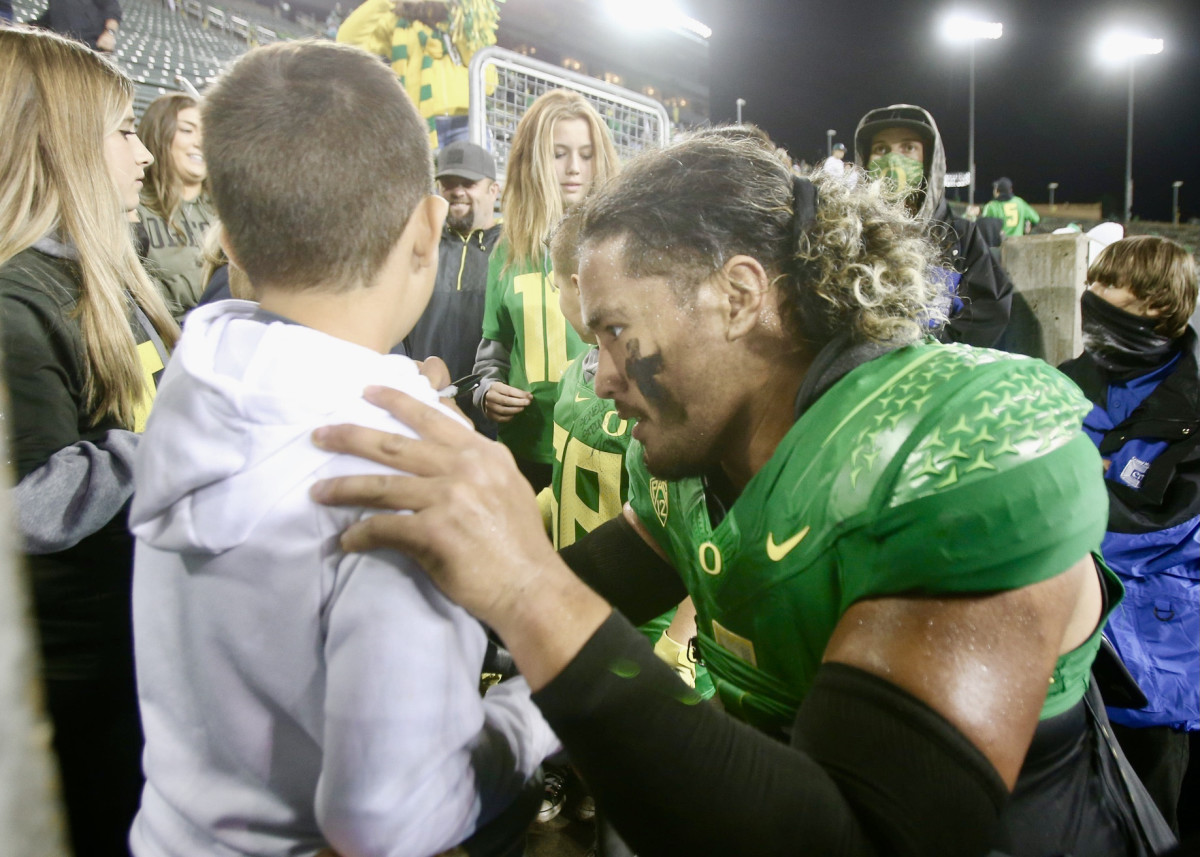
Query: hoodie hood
(918, 119)
(229, 434)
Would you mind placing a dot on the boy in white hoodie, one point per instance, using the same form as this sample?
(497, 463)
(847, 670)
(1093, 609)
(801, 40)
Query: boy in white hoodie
(295, 697)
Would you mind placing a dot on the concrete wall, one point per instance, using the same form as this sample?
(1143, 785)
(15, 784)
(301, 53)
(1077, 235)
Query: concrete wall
(1069, 210)
(1048, 274)
(30, 818)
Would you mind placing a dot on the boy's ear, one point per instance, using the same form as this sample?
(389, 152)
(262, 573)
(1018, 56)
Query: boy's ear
(226, 246)
(426, 227)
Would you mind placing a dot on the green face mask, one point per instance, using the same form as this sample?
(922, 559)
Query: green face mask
(905, 174)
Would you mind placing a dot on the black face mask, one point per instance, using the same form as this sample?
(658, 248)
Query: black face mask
(1124, 344)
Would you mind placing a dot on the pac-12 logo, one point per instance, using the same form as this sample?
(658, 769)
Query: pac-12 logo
(658, 496)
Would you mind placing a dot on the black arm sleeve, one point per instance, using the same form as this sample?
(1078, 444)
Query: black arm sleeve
(616, 562)
(873, 771)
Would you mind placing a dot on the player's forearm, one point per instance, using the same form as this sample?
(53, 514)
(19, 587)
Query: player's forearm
(546, 621)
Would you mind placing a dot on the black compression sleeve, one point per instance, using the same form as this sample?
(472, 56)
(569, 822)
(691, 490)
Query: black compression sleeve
(616, 562)
(884, 775)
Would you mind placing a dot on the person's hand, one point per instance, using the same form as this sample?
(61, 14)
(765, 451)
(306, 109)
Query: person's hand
(502, 402)
(436, 370)
(475, 527)
(107, 43)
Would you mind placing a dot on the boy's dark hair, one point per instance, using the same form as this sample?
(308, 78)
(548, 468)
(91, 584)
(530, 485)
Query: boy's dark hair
(1158, 271)
(317, 159)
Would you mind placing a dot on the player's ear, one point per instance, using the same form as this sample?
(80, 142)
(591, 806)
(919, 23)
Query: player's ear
(744, 283)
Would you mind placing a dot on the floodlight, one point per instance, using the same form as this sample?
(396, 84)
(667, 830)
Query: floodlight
(1119, 45)
(960, 28)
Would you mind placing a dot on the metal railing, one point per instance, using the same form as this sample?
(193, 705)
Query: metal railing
(504, 83)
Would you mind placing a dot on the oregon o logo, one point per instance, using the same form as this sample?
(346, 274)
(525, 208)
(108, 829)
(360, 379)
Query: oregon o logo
(710, 558)
(658, 496)
(621, 425)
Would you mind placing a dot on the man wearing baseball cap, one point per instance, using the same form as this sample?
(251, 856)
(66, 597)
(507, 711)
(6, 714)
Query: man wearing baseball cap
(835, 164)
(450, 327)
(901, 143)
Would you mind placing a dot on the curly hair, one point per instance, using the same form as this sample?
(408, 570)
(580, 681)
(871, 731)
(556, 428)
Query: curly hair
(860, 266)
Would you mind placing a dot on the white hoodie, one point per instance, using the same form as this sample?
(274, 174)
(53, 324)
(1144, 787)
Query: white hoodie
(293, 695)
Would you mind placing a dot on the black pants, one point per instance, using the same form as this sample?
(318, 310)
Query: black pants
(1159, 754)
(538, 474)
(1075, 795)
(98, 740)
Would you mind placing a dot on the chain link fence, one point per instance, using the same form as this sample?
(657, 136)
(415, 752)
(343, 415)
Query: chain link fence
(505, 83)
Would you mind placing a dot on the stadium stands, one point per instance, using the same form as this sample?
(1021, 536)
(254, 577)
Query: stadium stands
(161, 49)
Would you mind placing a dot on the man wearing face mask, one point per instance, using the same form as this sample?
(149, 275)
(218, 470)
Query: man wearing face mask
(902, 143)
(1140, 370)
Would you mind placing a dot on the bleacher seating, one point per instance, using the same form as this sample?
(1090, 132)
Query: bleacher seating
(165, 51)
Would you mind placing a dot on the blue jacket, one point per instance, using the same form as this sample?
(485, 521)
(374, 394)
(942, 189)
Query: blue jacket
(1148, 428)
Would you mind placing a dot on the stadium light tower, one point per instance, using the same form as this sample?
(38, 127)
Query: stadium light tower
(1175, 186)
(1115, 47)
(962, 28)
(829, 135)
(1053, 186)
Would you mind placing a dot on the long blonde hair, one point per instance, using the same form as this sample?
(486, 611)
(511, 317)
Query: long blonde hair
(532, 201)
(58, 103)
(162, 193)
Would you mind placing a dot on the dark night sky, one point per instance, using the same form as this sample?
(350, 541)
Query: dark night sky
(1046, 110)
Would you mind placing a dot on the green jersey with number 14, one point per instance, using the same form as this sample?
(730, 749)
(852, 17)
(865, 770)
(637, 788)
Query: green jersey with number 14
(933, 469)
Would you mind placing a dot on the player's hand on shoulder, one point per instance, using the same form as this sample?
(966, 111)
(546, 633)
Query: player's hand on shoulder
(462, 489)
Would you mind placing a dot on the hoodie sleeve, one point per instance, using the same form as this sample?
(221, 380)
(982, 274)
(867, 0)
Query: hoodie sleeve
(79, 490)
(414, 759)
(491, 364)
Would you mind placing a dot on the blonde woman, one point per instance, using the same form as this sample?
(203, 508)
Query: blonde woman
(175, 208)
(85, 333)
(561, 150)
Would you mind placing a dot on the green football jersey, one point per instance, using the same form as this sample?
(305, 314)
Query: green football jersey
(933, 469)
(590, 441)
(1015, 213)
(590, 482)
(521, 313)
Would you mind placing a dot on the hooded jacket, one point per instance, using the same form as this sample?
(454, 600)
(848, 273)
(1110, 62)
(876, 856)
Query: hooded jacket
(980, 290)
(294, 695)
(1148, 428)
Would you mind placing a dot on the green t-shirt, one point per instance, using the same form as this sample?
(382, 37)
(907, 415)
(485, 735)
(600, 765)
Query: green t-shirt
(1015, 213)
(590, 483)
(521, 313)
(933, 469)
(173, 258)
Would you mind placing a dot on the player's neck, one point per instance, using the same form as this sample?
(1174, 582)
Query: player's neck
(767, 416)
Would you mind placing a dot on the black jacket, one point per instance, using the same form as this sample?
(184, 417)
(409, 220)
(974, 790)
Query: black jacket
(985, 289)
(452, 324)
(81, 593)
(79, 19)
(1170, 491)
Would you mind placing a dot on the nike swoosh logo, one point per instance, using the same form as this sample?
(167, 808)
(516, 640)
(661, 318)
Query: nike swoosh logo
(580, 398)
(778, 552)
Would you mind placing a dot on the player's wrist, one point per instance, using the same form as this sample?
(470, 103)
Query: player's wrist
(547, 619)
